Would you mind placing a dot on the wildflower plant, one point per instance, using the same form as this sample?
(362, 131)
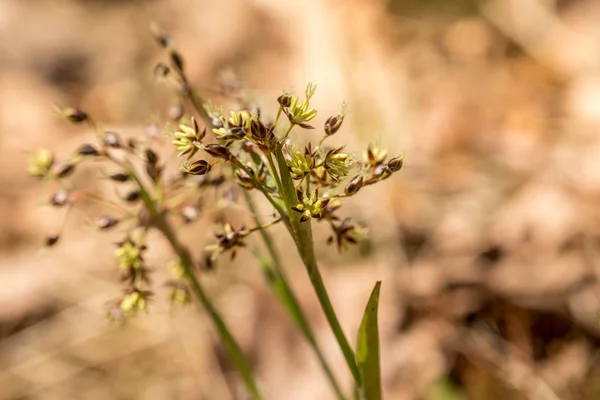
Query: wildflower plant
(302, 184)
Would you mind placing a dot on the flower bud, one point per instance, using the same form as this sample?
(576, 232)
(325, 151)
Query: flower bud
(51, 239)
(119, 177)
(199, 167)
(382, 172)
(218, 151)
(112, 139)
(176, 59)
(333, 124)
(60, 198)
(40, 163)
(151, 156)
(106, 222)
(354, 185)
(74, 115)
(396, 163)
(62, 170)
(285, 100)
(87, 150)
(132, 196)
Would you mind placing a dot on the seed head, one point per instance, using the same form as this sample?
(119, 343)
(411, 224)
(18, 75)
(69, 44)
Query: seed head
(87, 150)
(74, 115)
(218, 151)
(396, 163)
(106, 222)
(354, 185)
(119, 177)
(62, 170)
(51, 239)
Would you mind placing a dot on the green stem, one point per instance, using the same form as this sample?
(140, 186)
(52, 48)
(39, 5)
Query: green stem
(302, 235)
(187, 264)
(277, 279)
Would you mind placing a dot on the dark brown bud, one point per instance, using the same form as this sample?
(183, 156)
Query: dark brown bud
(62, 170)
(151, 156)
(354, 185)
(132, 143)
(284, 100)
(74, 115)
(112, 139)
(333, 124)
(176, 59)
(132, 196)
(51, 239)
(120, 177)
(382, 172)
(218, 151)
(396, 163)
(153, 171)
(258, 130)
(244, 179)
(200, 167)
(87, 150)
(106, 222)
(60, 198)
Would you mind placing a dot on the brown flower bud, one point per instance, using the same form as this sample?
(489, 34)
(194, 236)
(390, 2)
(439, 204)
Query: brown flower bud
(87, 150)
(354, 185)
(119, 177)
(176, 59)
(51, 239)
(62, 170)
(200, 167)
(285, 100)
(151, 156)
(60, 198)
(105, 222)
(382, 172)
(74, 115)
(112, 139)
(396, 163)
(333, 124)
(218, 151)
(132, 196)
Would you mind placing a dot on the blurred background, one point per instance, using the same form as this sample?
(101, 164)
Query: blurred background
(487, 242)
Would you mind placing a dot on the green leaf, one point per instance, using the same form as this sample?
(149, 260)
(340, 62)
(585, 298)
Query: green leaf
(367, 349)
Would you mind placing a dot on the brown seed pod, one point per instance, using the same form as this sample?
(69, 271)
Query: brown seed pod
(132, 196)
(354, 185)
(62, 170)
(396, 163)
(119, 177)
(106, 222)
(51, 239)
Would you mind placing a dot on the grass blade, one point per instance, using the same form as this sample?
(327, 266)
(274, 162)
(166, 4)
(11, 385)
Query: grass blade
(367, 349)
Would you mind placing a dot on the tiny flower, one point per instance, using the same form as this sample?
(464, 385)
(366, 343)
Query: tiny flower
(129, 255)
(300, 164)
(185, 138)
(161, 71)
(228, 240)
(134, 301)
(180, 292)
(344, 233)
(40, 163)
(199, 167)
(300, 113)
(337, 164)
(375, 156)
(234, 127)
(310, 206)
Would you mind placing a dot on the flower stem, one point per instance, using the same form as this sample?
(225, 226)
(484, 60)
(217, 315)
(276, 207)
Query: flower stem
(277, 280)
(187, 264)
(302, 235)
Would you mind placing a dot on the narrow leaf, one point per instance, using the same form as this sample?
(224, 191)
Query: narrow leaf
(367, 349)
